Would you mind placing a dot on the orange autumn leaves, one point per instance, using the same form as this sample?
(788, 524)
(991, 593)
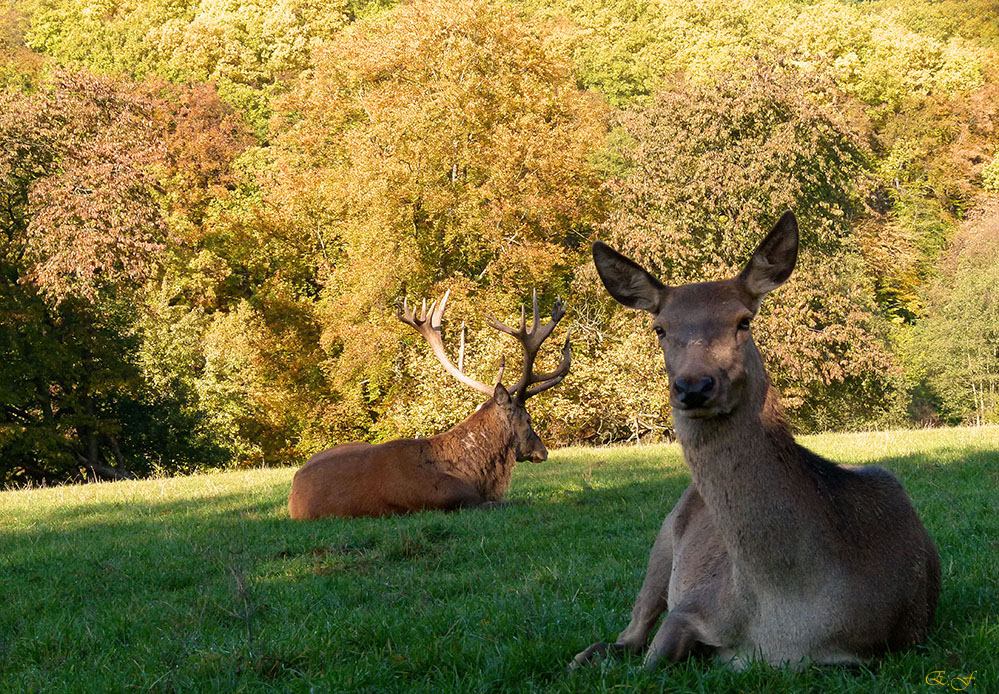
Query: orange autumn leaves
(107, 172)
(236, 273)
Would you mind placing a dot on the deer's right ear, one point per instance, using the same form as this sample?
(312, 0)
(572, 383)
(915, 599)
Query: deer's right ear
(626, 280)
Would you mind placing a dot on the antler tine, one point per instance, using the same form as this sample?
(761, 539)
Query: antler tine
(532, 337)
(435, 315)
(404, 314)
(502, 367)
(499, 325)
(429, 326)
(552, 379)
(558, 310)
(531, 340)
(534, 327)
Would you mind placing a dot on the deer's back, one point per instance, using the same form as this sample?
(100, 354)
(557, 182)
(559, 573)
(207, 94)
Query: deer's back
(361, 479)
(892, 563)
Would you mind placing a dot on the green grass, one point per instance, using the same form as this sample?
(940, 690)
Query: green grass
(204, 584)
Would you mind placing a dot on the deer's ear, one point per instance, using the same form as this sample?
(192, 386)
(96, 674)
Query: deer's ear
(774, 259)
(501, 395)
(626, 280)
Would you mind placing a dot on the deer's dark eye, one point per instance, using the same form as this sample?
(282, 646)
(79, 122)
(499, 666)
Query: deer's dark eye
(658, 330)
(744, 324)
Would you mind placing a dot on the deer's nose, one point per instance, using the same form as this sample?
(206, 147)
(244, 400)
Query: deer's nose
(694, 394)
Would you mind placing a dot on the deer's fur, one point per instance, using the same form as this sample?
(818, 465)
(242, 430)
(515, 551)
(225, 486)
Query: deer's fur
(469, 465)
(773, 553)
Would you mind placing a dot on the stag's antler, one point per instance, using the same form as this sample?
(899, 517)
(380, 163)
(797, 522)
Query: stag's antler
(430, 328)
(530, 383)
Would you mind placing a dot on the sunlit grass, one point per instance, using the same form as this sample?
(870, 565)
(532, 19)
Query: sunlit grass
(203, 583)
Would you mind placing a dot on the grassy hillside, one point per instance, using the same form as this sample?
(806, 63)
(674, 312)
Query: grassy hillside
(203, 583)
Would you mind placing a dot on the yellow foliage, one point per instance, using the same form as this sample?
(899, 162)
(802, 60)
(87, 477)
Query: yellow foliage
(246, 41)
(990, 174)
(628, 49)
(444, 140)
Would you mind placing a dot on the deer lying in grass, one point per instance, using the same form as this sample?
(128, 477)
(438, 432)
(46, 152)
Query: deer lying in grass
(470, 465)
(772, 553)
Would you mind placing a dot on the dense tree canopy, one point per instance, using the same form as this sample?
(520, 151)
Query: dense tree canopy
(447, 141)
(711, 166)
(209, 210)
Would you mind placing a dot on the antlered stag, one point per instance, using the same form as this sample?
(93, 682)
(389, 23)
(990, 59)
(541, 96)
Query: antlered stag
(772, 553)
(469, 465)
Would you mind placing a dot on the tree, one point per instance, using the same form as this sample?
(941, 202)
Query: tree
(250, 49)
(440, 145)
(953, 352)
(19, 65)
(917, 69)
(712, 168)
(99, 182)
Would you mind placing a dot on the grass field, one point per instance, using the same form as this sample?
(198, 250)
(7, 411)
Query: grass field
(204, 584)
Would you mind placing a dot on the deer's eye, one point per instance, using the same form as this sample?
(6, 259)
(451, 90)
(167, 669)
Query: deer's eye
(744, 324)
(658, 330)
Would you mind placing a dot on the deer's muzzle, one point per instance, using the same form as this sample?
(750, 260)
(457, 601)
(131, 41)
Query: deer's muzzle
(691, 394)
(539, 455)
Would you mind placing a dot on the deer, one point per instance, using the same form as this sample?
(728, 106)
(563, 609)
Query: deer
(468, 466)
(772, 553)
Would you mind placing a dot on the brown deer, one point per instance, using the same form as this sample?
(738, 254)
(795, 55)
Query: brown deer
(772, 553)
(470, 465)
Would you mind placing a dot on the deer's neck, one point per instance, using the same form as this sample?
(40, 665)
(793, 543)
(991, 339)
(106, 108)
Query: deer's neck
(479, 450)
(755, 482)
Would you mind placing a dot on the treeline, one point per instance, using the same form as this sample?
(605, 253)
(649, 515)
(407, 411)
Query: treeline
(209, 211)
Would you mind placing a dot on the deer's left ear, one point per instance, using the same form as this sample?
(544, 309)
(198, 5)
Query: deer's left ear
(501, 395)
(774, 259)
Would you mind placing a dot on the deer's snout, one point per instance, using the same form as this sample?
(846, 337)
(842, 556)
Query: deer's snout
(539, 454)
(694, 393)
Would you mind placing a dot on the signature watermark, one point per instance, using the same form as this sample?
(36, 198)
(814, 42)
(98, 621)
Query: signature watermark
(940, 678)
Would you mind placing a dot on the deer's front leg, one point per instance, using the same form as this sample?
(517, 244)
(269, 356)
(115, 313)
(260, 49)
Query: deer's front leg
(423, 487)
(650, 604)
(674, 641)
(451, 493)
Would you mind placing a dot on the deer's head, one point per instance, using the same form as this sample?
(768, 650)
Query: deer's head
(527, 445)
(705, 329)
(508, 402)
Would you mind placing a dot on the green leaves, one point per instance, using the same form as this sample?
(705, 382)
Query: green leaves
(712, 167)
(953, 353)
(103, 185)
(226, 257)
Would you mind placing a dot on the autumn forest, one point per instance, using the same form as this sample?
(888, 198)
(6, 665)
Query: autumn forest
(210, 210)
